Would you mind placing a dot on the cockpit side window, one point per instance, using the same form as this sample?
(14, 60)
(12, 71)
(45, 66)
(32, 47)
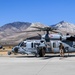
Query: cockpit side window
(23, 44)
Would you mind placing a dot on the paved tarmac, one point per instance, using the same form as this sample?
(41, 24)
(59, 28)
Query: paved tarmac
(30, 65)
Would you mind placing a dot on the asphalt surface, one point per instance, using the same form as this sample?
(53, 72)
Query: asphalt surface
(30, 65)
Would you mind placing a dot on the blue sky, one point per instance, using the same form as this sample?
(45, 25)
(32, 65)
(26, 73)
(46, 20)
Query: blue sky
(47, 12)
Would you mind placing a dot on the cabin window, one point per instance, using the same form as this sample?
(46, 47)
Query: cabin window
(54, 45)
(32, 45)
(36, 44)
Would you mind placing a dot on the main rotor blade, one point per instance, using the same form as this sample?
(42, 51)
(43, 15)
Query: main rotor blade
(55, 31)
(37, 27)
(45, 28)
(29, 31)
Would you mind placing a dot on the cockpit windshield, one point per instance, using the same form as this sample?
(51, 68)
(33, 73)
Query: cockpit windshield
(19, 44)
(22, 44)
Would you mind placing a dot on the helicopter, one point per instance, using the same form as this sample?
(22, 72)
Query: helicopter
(48, 43)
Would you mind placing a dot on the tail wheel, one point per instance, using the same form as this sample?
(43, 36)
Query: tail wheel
(42, 52)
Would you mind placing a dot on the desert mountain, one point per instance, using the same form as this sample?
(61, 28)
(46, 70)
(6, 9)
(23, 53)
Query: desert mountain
(65, 27)
(11, 28)
(12, 33)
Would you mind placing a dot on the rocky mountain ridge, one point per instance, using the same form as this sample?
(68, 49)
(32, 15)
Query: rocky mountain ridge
(65, 27)
(9, 35)
(13, 32)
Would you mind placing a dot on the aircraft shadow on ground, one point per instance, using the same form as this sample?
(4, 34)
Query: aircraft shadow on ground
(45, 57)
(51, 56)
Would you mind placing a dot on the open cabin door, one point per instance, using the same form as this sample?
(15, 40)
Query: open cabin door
(48, 47)
(55, 46)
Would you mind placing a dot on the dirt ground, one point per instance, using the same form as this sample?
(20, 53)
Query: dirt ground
(5, 49)
(3, 53)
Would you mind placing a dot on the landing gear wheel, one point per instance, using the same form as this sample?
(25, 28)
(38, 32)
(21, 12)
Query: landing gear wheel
(42, 53)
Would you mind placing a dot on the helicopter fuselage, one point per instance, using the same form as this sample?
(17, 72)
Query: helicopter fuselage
(45, 45)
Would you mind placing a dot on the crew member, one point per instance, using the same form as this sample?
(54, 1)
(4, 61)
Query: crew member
(61, 48)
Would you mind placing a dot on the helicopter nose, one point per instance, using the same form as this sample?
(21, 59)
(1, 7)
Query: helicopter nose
(16, 49)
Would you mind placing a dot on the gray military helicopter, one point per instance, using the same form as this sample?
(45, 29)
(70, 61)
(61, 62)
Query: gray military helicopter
(48, 43)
